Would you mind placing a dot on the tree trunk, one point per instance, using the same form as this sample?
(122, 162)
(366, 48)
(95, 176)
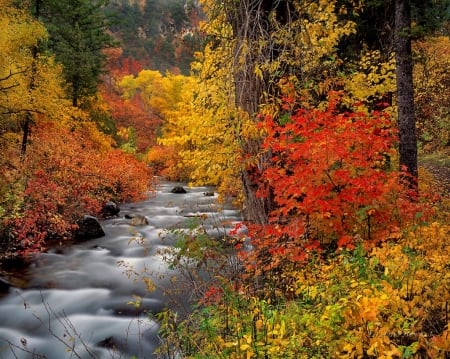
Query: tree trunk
(405, 90)
(247, 96)
(25, 134)
(249, 20)
(26, 126)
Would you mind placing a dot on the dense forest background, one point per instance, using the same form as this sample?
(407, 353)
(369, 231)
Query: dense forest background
(325, 122)
(161, 35)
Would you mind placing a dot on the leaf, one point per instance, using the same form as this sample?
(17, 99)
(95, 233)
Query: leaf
(345, 241)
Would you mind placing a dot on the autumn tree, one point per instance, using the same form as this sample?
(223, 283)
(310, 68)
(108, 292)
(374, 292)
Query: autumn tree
(403, 33)
(28, 117)
(18, 63)
(71, 168)
(157, 101)
(30, 81)
(31, 90)
(134, 124)
(199, 127)
(158, 33)
(261, 43)
(431, 79)
(389, 27)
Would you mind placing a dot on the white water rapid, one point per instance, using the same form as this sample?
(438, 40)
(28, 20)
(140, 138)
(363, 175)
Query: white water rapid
(75, 301)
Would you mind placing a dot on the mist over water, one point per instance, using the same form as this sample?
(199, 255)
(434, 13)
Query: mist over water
(76, 303)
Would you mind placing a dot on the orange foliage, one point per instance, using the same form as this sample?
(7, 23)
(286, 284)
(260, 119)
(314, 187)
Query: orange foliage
(118, 65)
(330, 179)
(133, 113)
(165, 161)
(70, 174)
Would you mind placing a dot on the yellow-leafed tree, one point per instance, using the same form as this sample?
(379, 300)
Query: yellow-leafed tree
(196, 118)
(254, 51)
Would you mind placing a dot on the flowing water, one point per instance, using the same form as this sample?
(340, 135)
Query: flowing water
(76, 300)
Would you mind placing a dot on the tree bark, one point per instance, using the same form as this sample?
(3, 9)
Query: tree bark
(26, 126)
(405, 90)
(25, 134)
(247, 20)
(251, 24)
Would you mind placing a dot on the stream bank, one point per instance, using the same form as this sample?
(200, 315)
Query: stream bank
(81, 300)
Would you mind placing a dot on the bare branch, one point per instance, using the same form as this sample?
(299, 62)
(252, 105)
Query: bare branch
(11, 74)
(69, 330)
(6, 88)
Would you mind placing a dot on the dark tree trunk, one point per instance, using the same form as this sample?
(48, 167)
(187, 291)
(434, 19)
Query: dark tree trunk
(250, 22)
(28, 117)
(26, 126)
(25, 134)
(405, 90)
(248, 92)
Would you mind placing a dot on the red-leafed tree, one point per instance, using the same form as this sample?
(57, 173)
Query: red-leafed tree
(130, 113)
(331, 182)
(118, 65)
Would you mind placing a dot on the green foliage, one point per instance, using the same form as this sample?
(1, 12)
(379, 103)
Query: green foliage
(156, 32)
(197, 254)
(129, 134)
(191, 245)
(77, 35)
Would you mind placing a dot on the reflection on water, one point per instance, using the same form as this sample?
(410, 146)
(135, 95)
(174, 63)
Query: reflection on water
(78, 302)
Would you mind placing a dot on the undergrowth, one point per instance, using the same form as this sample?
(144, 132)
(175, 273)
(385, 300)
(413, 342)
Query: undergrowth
(391, 301)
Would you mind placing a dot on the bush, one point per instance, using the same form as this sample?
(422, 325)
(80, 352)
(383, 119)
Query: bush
(387, 302)
(71, 172)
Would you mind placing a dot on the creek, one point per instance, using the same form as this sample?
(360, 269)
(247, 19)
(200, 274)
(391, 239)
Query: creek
(76, 301)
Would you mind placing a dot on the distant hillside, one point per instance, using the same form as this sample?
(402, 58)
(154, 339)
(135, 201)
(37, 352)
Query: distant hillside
(160, 34)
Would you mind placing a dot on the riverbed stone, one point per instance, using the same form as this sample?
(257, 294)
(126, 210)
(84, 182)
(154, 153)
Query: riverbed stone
(4, 286)
(139, 221)
(178, 189)
(88, 228)
(110, 209)
(111, 343)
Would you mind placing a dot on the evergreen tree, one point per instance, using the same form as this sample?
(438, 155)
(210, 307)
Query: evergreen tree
(77, 35)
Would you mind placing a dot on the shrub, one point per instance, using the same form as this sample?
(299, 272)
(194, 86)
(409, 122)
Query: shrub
(388, 302)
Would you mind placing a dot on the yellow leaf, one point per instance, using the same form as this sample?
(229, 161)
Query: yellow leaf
(348, 348)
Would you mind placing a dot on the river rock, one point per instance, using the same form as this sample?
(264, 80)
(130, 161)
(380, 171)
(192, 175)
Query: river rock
(178, 189)
(139, 221)
(110, 209)
(88, 228)
(111, 343)
(122, 307)
(4, 286)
